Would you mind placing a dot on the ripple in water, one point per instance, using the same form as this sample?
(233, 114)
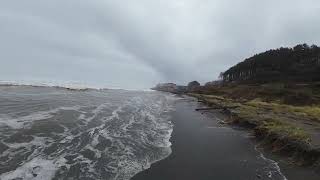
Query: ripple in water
(50, 133)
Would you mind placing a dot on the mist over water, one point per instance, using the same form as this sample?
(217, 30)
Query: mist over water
(52, 133)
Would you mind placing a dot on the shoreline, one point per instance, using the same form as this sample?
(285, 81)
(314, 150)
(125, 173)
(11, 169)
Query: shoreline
(203, 148)
(296, 149)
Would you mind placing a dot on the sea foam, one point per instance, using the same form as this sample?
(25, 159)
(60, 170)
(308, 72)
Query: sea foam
(104, 134)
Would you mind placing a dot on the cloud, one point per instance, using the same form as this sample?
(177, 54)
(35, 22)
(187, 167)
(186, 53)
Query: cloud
(136, 44)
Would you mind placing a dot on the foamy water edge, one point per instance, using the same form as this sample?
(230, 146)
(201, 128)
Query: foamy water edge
(46, 167)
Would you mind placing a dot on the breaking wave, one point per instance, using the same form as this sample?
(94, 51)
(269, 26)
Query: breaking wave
(47, 133)
(69, 86)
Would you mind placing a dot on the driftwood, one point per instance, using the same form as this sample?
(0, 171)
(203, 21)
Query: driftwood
(222, 107)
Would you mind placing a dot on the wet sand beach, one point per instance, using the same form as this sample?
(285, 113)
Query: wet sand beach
(203, 149)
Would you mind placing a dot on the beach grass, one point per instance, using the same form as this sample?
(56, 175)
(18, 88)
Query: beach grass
(269, 117)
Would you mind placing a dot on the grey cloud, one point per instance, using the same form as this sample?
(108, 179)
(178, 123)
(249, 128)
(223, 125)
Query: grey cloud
(136, 44)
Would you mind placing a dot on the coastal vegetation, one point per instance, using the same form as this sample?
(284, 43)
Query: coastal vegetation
(277, 95)
(298, 64)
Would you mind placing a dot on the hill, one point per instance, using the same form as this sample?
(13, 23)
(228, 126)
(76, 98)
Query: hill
(298, 64)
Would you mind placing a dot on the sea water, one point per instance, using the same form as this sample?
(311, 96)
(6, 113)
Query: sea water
(56, 133)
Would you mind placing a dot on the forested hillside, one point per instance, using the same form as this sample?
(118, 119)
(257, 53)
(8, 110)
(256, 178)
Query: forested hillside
(298, 64)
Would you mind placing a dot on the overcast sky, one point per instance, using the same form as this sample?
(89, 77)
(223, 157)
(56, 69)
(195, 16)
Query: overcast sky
(136, 44)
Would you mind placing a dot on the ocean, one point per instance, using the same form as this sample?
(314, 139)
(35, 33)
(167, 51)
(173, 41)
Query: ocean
(56, 133)
(90, 134)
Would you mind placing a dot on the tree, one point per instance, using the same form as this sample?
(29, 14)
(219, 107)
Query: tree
(192, 86)
(284, 64)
